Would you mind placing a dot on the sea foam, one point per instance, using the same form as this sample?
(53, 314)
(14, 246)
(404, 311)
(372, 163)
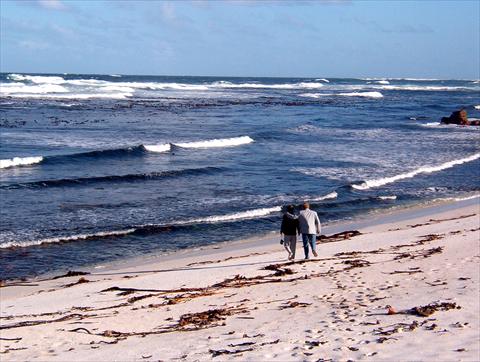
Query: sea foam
(331, 195)
(158, 148)
(19, 161)
(64, 239)
(225, 142)
(351, 94)
(392, 197)
(427, 169)
(362, 94)
(14, 88)
(301, 85)
(140, 229)
(250, 214)
(37, 78)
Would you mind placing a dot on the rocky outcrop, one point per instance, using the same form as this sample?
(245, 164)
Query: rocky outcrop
(460, 118)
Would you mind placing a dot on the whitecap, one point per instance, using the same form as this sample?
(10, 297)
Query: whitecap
(62, 239)
(467, 198)
(75, 96)
(423, 88)
(239, 215)
(14, 88)
(116, 88)
(20, 161)
(225, 142)
(158, 148)
(426, 169)
(313, 95)
(36, 78)
(392, 197)
(331, 195)
(363, 94)
(302, 85)
(477, 107)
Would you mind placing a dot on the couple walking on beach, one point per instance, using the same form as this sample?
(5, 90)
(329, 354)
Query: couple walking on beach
(306, 223)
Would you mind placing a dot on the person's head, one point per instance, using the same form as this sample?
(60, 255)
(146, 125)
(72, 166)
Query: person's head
(306, 205)
(290, 209)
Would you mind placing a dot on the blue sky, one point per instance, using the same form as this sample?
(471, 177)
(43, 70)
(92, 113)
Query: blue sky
(336, 38)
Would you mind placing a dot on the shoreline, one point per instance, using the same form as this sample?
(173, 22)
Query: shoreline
(373, 218)
(250, 303)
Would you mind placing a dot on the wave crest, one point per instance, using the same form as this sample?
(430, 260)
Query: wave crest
(427, 169)
(20, 161)
(351, 94)
(144, 229)
(158, 148)
(331, 195)
(362, 94)
(224, 142)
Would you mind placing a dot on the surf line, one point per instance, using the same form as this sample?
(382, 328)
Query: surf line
(159, 148)
(147, 228)
(426, 169)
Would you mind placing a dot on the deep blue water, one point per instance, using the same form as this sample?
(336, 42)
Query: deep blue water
(121, 173)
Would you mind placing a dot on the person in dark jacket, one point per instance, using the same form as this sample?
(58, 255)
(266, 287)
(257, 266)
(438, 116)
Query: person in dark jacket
(289, 230)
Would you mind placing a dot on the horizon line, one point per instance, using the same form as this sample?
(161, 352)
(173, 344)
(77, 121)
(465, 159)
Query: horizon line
(238, 76)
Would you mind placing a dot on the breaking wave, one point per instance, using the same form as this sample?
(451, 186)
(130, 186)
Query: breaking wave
(392, 197)
(362, 94)
(331, 195)
(34, 86)
(20, 161)
(467, 198)
(127, 151)
(146, 229)
(158, 148)
(65, 239)
(351, 94)
(301, 85)
(63, 87)
(226, 142)
(250, 214)
(427, 169)
(423, 88)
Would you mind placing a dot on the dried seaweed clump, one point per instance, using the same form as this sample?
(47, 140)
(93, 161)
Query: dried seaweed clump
(427, 310)
(206, 318)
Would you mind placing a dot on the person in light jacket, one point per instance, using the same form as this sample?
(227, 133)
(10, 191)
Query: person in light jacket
(289, 230)
(310, 227)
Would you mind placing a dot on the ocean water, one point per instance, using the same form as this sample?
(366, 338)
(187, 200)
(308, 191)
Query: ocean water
(97, 168)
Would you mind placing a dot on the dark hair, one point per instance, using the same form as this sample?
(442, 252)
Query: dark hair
(306, 205)
(290, 208)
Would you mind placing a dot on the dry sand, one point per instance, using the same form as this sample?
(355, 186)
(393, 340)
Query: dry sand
(250, 304)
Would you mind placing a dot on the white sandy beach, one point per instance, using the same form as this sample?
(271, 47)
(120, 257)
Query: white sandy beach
(249, 304)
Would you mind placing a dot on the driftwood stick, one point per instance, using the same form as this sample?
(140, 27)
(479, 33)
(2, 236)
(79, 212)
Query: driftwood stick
(34, 323)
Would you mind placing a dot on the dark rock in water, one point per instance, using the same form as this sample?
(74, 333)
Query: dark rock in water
(460, 118)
